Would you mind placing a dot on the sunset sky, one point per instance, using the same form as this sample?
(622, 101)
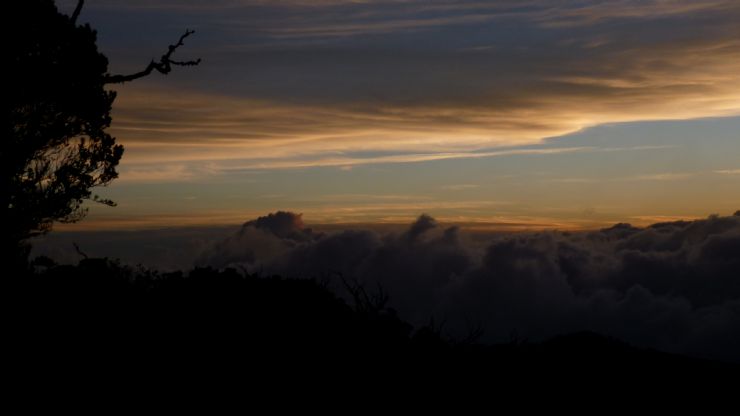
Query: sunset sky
(515, 114)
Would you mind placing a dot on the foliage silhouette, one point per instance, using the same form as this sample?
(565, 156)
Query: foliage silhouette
(56, 145)
(100, 313)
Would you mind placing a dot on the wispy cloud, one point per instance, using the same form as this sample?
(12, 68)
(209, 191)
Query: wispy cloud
(173, 172)
(459, 187)
(299, 84)
(665, 176)
(728, 172)
(166, 126)
(661, 177)
(573, 180)
(230, 160)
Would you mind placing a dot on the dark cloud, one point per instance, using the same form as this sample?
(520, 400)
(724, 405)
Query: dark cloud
(673, 286)
(258, 241)
(423, 224)
(284, 225)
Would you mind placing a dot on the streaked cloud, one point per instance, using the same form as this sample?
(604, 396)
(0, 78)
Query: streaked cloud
(728, 171)
(161, 127)
(670, 176)
(459, 187)
(290, 80)
(157, 173)
(327, 99)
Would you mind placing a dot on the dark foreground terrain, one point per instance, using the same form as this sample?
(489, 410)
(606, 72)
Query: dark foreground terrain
(111, 319)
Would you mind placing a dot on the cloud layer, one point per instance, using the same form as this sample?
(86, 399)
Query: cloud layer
(672, 286)
(346, 81)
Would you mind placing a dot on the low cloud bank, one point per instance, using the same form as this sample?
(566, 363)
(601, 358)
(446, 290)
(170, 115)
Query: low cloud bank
(673, 286)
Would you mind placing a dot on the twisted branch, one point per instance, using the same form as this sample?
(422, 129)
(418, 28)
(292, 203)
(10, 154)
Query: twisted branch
(164, 66)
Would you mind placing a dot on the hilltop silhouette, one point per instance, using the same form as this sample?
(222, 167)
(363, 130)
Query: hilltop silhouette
(101, 314)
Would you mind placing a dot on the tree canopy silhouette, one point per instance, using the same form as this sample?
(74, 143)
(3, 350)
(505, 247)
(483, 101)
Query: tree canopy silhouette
(56, 145)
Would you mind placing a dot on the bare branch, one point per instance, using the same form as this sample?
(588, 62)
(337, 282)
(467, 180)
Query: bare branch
(78, 10)
(164, 66)
(80, 252)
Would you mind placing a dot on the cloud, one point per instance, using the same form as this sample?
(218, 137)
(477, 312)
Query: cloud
(258, 240)
(728, 172)
(284, 225)
(672, 285)
(358, 17)
(299, 84)
(222, 135)
(459, 187)
(661, 177)
(423, 224)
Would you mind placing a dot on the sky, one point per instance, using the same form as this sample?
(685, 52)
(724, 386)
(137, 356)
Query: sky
(525, 114)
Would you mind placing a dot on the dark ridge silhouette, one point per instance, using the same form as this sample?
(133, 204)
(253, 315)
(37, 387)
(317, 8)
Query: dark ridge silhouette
(100, 314)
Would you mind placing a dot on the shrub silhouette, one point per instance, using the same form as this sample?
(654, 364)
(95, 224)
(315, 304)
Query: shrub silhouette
(101, 313)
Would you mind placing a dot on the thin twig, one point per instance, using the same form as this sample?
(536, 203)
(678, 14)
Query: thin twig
(78, 10)
(80, 252)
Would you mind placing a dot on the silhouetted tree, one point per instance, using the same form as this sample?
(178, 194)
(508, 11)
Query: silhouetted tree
(56, 147)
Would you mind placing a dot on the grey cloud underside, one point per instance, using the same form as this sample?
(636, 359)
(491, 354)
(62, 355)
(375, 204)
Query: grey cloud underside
(374, 44)
(492, 54)
(673, 286)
